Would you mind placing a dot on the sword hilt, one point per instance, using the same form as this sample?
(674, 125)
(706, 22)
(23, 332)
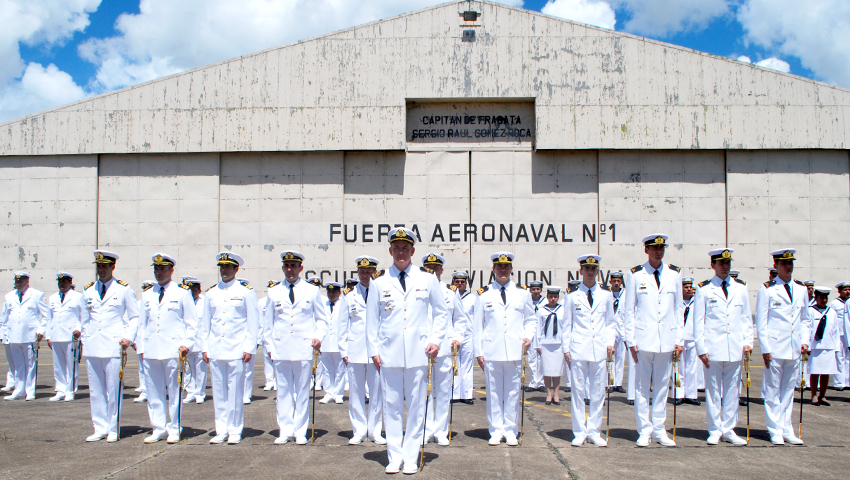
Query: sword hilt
(315, 360)
(454, 359)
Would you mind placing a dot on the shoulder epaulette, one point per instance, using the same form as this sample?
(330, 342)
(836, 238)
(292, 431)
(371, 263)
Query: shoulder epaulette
(637, 269)
(770, 283)
(378, 273)
(185, 287)
(572, 288)
(122, 282)
(483, 289)
(247, 285)
(273, 284)
(346, 290)
(798, 282)
(704, 283)
(207, 290)
(148, 288)
(740, 281)
(423, 269)
(674, 268)
(88, 286)
(519, 285)
(605, 287)
(452, 288)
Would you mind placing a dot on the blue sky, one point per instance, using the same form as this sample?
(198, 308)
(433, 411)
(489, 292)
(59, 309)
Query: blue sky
(59, 51)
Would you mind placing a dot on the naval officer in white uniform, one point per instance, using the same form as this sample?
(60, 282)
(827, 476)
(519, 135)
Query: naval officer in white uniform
(361, 370)
(294, 324)
(783, 325)
(463, 382)
(112, 326)
(653, 324)
(841, 380)
(535, 363)
(331, 358)
(196, 390)
(229, 330)
(67, 310)
(690, 368)
(168, 323)
(587, 341)
(443, 375)
(25, 315)
(503, 326)
(616, 282)
(723, 334)
(406, 320)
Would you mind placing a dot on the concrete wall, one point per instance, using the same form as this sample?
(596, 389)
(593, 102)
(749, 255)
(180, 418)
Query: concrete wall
(56, 210)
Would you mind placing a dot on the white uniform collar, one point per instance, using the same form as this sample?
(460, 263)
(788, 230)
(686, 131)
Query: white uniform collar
(780, 282)
(108, 284)
(552, 309)
(617, 294)
(651, 270)
(286, 283)
(508, 286)
(718, 281)
(160, 287)
(228, 284)
(361, 288)
(394, 271)
(583, 288)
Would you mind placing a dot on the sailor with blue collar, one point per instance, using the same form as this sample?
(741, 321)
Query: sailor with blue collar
(653, 325)
(503, 326)
(336, 371)
(535, 364)
(842, 379)
(463, 382)
(24, 316)
(406, 319)
(196, 388)
(617, 282)
(690, 368)
(67, 309)
(783, 324)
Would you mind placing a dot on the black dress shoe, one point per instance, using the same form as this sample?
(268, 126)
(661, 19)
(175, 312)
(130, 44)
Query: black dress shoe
(815, 403)
(678, 401)
(470, 401)
(823, 402)
(742, 402)
(541, 389)
(556, 403)
(692, 401)
(587, 401)
(548, 402)
(631, 402)
(568, 389)
(619, 389)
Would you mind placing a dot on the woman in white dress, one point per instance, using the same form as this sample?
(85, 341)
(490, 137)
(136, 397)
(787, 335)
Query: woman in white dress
(825, 342)
(550, 324)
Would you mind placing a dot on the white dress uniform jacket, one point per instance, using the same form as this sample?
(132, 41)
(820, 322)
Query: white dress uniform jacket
(723, 325)
(457, 324)
(399, 324)
(589, 330)
(352, 323)
(168, 325)
(26, 317)
(498, 328)
(291, 327)
(230, 323)
(111, 318)
(653, 318)
(783, 324)
(330, 343)
(66, 316)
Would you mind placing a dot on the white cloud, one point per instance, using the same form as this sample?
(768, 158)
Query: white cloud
(664, 17)
(166, 37)
(593, 12)
(745, 59)
(775, 64)
(37, 23)
(815, 31)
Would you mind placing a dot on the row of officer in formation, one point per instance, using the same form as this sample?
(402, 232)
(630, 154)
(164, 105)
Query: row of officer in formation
(399, 331)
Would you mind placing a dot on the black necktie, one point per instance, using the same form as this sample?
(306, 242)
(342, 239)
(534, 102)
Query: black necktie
(401, 281)
(657, 278)
(821, 327)
(161, 293)
(723, 286)
(102, 290)
(504, 298)
(291, 295)
(590, 299)
(61, 297)
(20, 296)
(332, 308)
(687, 309)
(788, 289)
(616, 304)
(554, 324)
(366, 295)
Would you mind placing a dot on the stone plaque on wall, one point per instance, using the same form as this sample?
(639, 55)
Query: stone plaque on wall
(498, 124)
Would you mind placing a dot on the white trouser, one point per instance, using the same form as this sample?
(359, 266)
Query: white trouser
(842, 378)
(722, 387)
(691, 371)
(620, 352)
(248, 390)
(24, 359)
(463, 382)
(503, 383)
(780, 380)
(228, 382)
(359, 376)
(400, 384)
(441, 393)
(320, 375)
(10, 374)
(64, 368)
(268, 368)
(630, 391)
(652, 369)
(198, 370)
(104, 396)
(568, 377)
(162, 381)
(142, 376)
(293, 396)
(535, 367)
(596, 375)
(334, 380)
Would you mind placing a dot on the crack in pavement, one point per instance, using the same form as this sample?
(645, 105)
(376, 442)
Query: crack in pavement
(555, 450)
